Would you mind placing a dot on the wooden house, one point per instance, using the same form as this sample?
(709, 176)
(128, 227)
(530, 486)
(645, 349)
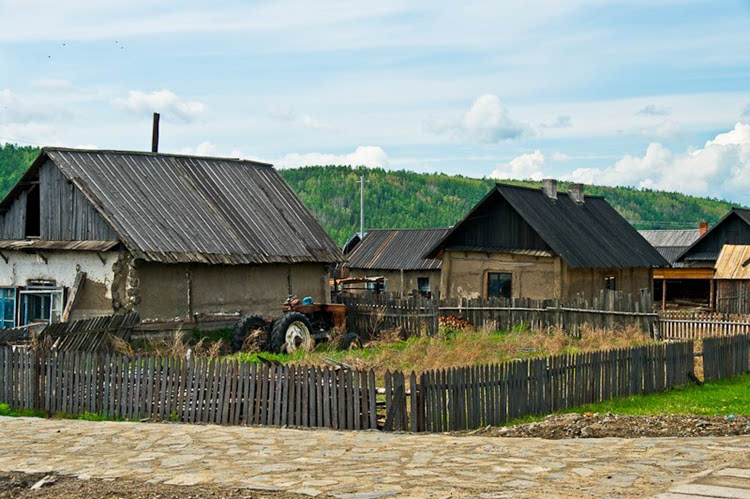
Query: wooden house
(539, 243)
(178, 239)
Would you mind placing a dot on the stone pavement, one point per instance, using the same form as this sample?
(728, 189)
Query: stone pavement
(363, 464)
(733, 483)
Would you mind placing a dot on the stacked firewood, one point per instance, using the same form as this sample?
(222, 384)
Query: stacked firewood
(454, 322)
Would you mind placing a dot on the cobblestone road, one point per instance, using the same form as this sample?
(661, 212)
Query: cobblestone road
(362, 464)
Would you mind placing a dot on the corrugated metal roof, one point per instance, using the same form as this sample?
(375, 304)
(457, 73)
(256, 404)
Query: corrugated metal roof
(660, 238)
(174, 208)
(588, 234)
(733, 262)
(396, 249)
(29, 244)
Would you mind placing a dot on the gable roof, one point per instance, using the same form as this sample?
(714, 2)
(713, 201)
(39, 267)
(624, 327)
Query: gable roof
(396, 249)
(733, 262)
(588, 234)
(690, 254)
(671, 243)
(173, 208)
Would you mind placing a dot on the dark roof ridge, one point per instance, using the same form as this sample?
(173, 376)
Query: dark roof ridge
(538, 189)
(157, 154)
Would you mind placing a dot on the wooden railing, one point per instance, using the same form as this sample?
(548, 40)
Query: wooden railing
(675, 325)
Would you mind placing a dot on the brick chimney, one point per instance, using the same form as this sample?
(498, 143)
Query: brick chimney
(702, 228)
(575, 191)
(549, 187)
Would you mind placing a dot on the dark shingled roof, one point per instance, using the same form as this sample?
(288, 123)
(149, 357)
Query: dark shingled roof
(588, 234)
(396, 249)
(174, 208)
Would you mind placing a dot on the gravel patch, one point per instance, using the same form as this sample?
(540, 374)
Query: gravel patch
(559, 426)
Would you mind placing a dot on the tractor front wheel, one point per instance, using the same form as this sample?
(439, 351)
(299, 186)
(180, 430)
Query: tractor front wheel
(250, 329)
(291, 332)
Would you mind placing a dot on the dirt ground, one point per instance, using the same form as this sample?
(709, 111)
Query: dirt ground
(14, 485)
(625, 426)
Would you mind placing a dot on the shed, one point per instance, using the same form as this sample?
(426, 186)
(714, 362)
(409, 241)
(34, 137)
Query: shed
(397, 255)
(732, 275)
(176, 238)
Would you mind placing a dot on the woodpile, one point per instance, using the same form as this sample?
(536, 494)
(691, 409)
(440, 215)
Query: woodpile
(454, 322)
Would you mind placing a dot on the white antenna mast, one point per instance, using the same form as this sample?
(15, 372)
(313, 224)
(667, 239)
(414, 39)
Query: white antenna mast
(362, 205)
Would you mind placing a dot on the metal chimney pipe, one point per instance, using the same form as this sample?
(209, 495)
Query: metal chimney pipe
(155, 134)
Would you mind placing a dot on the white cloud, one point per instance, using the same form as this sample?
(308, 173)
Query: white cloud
(525, 166)
(563, 121)
(369, 156)
(720, 169)
(486, 121)
(24, 110)
(560, 156)
(205, 148)
(164, 102)
(654, 110)
(289, 115)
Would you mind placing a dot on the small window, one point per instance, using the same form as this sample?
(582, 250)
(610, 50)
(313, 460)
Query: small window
(7, 307)
(423, 285)
(41, 304)
(499, 285)
(376, 287)
(610, 283)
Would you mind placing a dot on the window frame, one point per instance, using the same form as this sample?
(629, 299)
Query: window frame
(610, 278)
(4, 300)
(487, 280)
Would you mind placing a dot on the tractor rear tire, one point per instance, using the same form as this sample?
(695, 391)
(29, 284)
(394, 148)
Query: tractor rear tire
(291, 332)
(351, 341)
(252, 324)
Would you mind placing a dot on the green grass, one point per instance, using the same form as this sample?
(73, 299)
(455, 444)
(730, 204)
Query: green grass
(730, 396)
(717, 398)
(5, 410)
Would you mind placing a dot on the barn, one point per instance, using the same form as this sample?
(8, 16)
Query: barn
(543, 244)
(178, 239)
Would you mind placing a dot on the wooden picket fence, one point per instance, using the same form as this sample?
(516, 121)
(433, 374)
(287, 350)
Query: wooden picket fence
(726, 356)
(203, 390)
(675, 325)
(473, 397)
(370, 315)
(195, 390)
(609, 310)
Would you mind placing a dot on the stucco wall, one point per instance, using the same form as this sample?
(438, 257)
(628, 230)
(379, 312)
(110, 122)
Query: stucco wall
(464, 274)
(393, 279)
(178, 292)
(62, 266)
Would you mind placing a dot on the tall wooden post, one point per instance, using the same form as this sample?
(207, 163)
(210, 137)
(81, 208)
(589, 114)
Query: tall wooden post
(712, 296)
(664, 293)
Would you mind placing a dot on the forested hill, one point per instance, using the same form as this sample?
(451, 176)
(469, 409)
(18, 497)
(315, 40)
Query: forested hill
(407, 199)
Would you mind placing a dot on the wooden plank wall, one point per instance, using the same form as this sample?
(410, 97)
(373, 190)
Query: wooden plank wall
(473, 397)
(726, 356)
(190, 391)
(674, 325)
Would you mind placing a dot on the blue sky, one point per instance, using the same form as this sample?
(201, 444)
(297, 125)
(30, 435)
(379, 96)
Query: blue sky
(619, 93)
